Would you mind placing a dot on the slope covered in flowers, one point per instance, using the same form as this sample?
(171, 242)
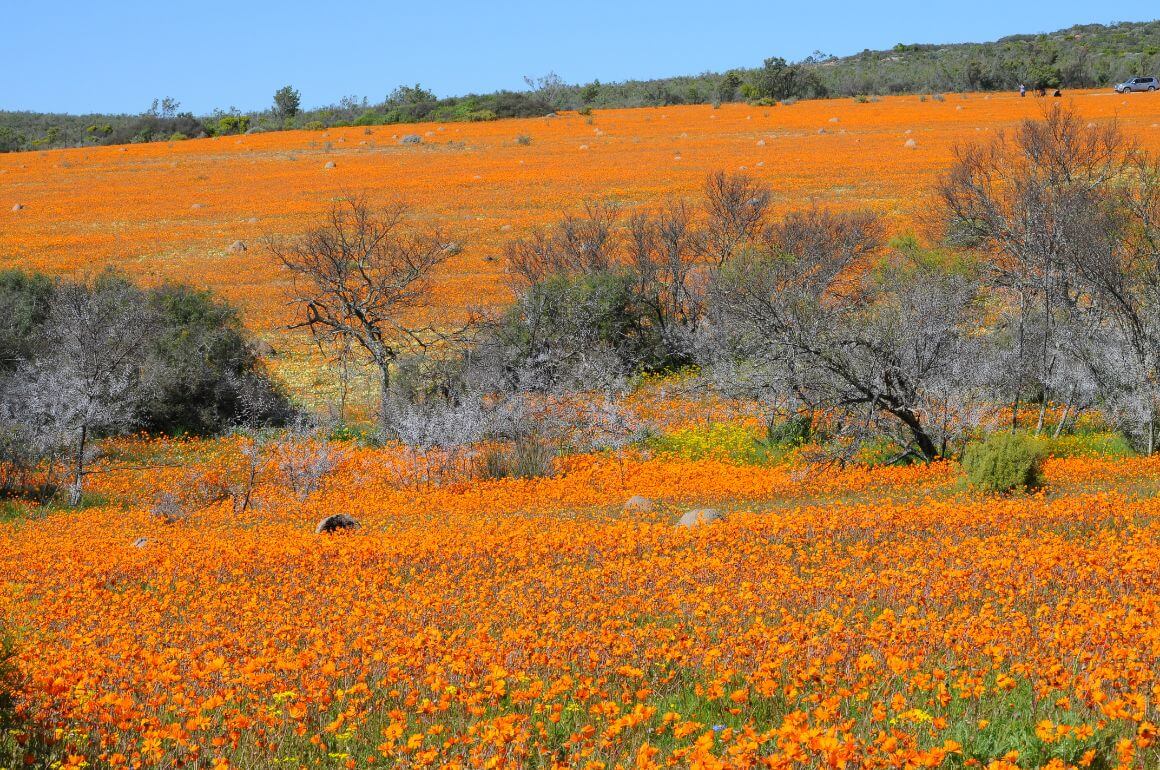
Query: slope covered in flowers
(856, 618)
(171, 210)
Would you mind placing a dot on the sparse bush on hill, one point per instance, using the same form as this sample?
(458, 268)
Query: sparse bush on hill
(1004, 462)
(231, 124)
(287, 102)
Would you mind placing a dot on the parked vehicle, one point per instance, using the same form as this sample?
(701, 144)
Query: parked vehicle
(1137, 84)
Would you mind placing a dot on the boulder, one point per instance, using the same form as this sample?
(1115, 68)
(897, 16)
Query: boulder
(18, 207)
(699, 516)
(236, 247)
(141, 542)
(336, 522)
(412, 139)
(910, 144)
(330, 164)
(262, 349)
(639, 504)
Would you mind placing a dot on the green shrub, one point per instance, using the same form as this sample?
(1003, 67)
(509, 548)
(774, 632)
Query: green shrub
(1004, 462)
(232, 124)
(370, 118)
(529, 457)
(315, 125)
(202, 375)
(523, 140)
(793, 431)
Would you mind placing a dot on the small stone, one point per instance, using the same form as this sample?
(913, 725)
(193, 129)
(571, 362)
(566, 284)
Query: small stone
(198, 206)
(236, 247)
(910, 144)
(18, 207)
(639, 504)
(699, 516)
(330, 164)
(141, 542)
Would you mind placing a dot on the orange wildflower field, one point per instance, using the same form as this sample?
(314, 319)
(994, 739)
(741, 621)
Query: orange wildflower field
(848, 617)
(171, 210)
(856, 618)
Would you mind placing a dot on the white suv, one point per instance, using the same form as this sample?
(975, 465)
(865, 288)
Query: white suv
(1137, 84)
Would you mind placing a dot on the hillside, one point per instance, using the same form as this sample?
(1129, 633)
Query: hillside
(1083, 56)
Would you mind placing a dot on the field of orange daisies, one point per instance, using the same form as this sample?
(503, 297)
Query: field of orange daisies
(857, 618)
(852, 617)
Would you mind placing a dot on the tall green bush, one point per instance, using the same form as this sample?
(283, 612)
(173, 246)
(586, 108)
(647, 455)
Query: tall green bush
(1004, 462)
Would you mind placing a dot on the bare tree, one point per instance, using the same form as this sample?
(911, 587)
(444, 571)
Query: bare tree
(884, 350)
(578, 244)
(1117, 274)
(361, 276)
(1034, 203)
(84, 381)
(737, 207)
(667, 250)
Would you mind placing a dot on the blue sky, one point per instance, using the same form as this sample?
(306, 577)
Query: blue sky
(72, 56)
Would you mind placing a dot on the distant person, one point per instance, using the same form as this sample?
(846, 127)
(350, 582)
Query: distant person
(1022, 90)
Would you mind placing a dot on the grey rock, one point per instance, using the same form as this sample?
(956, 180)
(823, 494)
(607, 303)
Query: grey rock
(700, 516)
(336, 522)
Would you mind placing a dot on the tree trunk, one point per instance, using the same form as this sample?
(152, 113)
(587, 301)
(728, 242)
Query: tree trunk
(1066, 409)
(76, 489)
(925, 443)
(1019, 371)
(384, 394)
